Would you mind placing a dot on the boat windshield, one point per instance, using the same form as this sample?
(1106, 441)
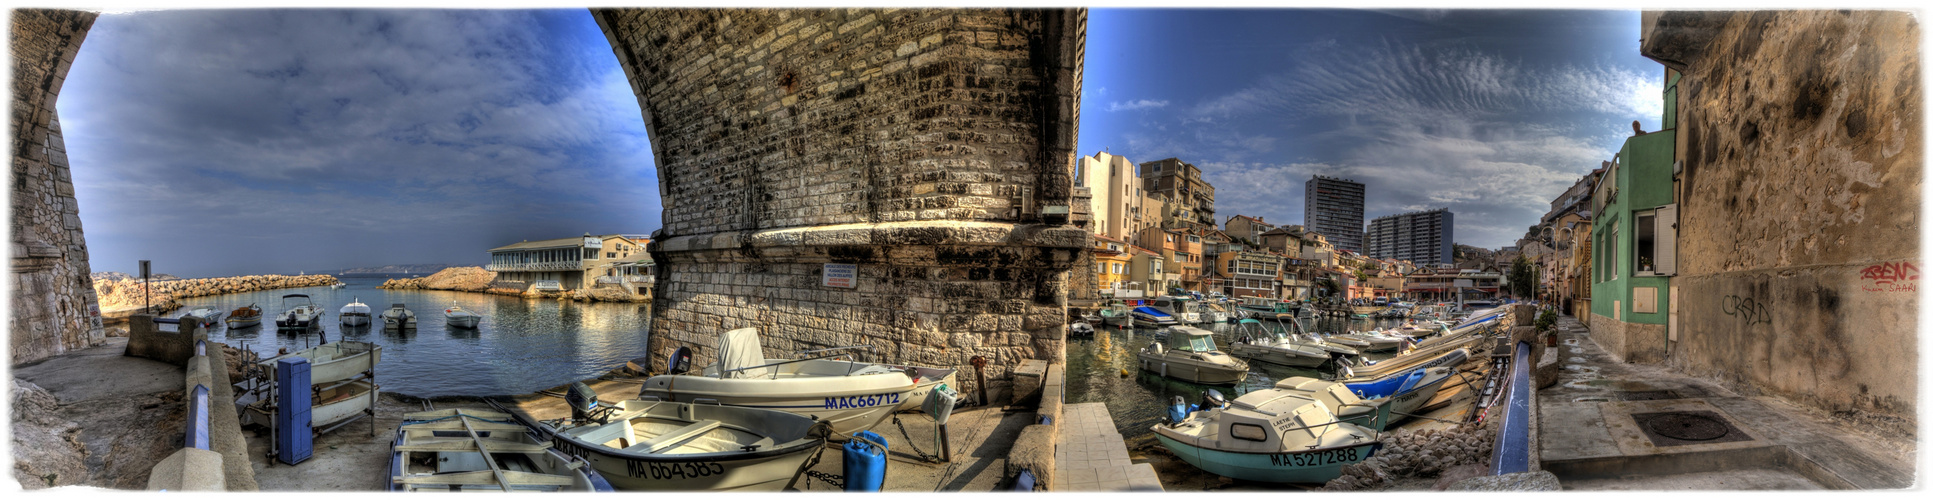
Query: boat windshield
(1201, 343)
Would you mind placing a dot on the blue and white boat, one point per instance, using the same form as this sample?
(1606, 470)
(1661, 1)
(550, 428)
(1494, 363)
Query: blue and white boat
(1147, 316)
(1270, 435)
(1360, 403)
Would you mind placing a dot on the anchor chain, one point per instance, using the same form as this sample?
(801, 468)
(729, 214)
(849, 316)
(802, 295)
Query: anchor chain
(837, 481)
(910, 442)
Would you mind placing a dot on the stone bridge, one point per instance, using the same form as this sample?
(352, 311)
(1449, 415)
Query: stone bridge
(924, 157)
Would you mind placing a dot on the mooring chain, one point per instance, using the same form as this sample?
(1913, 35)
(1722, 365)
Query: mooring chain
(911, 443)
(837, 481)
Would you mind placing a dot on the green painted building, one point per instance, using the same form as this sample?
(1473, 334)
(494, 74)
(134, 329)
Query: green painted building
(1633, 241)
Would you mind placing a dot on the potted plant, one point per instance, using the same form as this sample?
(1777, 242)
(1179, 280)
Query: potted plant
(1644, 264)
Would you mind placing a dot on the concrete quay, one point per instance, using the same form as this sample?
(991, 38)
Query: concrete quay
(1616, 437)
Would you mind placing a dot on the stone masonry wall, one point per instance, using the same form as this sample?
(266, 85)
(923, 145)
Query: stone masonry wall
(933, 149)
(1798, 239)
(54, 307)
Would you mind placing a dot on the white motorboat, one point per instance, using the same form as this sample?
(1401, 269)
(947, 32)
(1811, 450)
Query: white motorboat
(853, 396)
(333, 361)
(301, 315)
(1377, 341)
(338, 286)
(209, 316)
(1214, 313)
(398, 317)
(457, 317)
(1358, 402)
(1270, 435)
(1253, 342)
(1193, 358)
(1150, 317)
(662, 445)
(355, 313)
(1183, 309)
(479, 450)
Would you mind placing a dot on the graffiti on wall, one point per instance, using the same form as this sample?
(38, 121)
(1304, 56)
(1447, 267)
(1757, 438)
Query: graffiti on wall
(1891, 277)
(1752, 312)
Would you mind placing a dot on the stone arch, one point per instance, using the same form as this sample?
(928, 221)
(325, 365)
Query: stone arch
(54, 306)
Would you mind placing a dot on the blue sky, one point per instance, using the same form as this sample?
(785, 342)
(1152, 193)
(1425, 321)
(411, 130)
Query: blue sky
(1491, 113)
(272, 141)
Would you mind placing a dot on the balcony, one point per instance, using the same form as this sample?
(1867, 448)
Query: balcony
(569, 265)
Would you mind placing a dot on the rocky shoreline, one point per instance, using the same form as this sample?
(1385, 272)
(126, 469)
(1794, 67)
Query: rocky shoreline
(478, 280)
(121, 296)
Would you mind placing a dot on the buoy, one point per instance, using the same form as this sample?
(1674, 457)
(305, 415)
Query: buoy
(1124, 372)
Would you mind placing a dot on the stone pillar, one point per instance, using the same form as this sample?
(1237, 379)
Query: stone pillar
(54, 307)
(932, 149)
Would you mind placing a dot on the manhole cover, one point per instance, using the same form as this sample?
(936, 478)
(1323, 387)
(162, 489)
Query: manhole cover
(1647, 395)
(1687, 427)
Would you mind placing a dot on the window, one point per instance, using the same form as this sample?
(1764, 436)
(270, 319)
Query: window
(1646, 241)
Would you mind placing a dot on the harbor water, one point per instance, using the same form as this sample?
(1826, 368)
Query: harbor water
(521, 345)
(1140, 399)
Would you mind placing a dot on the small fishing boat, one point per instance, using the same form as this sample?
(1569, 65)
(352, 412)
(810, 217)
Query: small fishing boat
(1192, 359)
(479, 450)
(244, 317)
(1270, 435)
(853, 396)
(332, 361)
(210, 317)
(1116, 314)
(355, 313)
(1371, 371)
(1182, 309)
(331, 404)
(299, 316)
(1259, 344)
(1080, 329)
(1358, 403)
(338, 286)
(1149, 317)
(398, 317)
(645, 444)
(457, 317)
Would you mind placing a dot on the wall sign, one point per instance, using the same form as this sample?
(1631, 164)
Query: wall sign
(840, 275)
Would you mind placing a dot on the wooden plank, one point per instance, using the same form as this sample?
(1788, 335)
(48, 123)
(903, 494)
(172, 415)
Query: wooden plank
(484, 477)
(502, 482)
(675, 438)
(461, 445)
(452, 425)
(446, 413)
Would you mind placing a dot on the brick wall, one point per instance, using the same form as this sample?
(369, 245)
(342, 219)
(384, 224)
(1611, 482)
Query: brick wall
(54, 307)
(932, 148)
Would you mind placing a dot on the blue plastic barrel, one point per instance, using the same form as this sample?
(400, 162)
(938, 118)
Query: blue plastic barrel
(865, 462)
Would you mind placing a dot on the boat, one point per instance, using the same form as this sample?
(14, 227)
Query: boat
(1116, 314)
(210, 317)
(1359, 402)
(457, 317)
(1299, 335)
(1080, 329)
(331, 404)
(1192, 359)
(301, 316)
(646, 444)
(853, 396)
(1270, 435)
(1183, 309)
(1266, 305)
(338, 286)
(355, 313)
(1149, 317)
(1214, 313)
(398, 317)
(480, 450)
(1377, 341)
(1255, 343)
(333, 361)
(1370, 371)
(244, 317)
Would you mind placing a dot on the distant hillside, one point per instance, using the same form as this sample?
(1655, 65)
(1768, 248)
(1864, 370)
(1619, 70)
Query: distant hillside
(399, 269)
(117, 275)
(1466, 254)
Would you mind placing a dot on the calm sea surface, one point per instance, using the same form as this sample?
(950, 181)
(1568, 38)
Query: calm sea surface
(1139, 400)
(522, 345)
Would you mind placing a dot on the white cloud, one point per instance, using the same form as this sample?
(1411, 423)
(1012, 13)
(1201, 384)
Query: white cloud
(1136, 105)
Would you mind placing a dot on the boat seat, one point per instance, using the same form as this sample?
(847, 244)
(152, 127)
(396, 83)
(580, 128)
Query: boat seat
(675, 438)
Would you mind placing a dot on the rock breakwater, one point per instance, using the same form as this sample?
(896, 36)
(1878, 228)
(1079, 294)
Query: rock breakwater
(119, 295)
(476, 279)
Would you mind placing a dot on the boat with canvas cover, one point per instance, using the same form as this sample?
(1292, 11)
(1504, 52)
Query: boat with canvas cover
(481, 450)
(1192, 359)
(648, 444)
(457, 317)
(244, 317)
(398, 317)
(854, 396)
(297, 315)
(1359, 402)
(355, 313)
(1150, 317)
(1270, 435)
(332, 361)
(1183, 309)
(210, 317)
(1116, 314)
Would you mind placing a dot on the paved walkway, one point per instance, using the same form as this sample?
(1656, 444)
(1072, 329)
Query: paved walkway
(1610, 439)
(1091, 456)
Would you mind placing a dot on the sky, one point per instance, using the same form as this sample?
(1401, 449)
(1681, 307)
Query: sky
(278, 141)
(1490, 113)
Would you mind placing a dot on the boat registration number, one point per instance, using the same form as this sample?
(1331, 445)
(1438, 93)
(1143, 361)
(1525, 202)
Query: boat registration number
(686, 470)
(1324, 457)
(841, 403)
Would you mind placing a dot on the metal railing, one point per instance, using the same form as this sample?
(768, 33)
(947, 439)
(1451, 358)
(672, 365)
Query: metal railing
(1512, 454)
(537, 266)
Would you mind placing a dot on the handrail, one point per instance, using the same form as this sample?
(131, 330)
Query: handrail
(721, 373)
(1512, 453)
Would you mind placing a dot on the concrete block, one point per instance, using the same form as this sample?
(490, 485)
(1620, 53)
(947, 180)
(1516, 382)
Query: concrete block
(198, 374)
(1027, 382)
(147, 340)
(1034, 450)
(1053, 392)
(190, 469)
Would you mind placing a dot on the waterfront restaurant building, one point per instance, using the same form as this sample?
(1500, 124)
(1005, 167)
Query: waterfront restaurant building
(565, 263)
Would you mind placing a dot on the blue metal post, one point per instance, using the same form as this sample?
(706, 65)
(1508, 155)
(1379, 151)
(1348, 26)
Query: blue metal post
(1512, 454)
(198, 418)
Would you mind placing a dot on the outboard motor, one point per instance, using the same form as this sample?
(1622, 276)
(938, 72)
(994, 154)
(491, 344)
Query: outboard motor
(680, 361)
(1178, 412)
(583, 402)
(1212, 399)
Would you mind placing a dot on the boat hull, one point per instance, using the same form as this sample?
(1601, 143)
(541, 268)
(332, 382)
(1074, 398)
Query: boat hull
(355, 319)
(342, 403)
(768, 469)
(1306, 466)
(1278, 355)
(851, 409)
(465, 321)
(234, 322)
(1186, 371)
(333, 361)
